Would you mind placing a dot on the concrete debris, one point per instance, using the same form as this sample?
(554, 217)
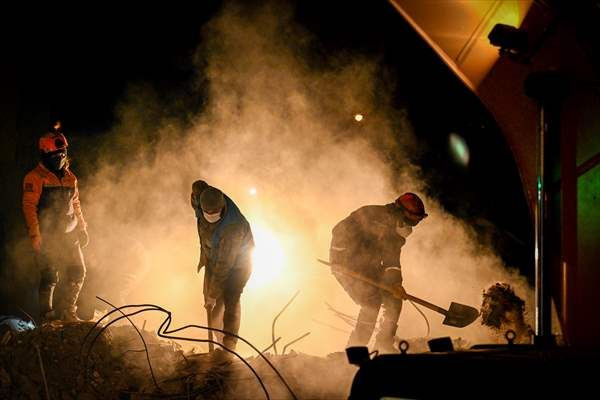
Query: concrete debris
(117, 368)
(503, 310)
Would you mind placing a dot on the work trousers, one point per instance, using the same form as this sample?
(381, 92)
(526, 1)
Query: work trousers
(62, 272)
(226, 314)
(371, 299)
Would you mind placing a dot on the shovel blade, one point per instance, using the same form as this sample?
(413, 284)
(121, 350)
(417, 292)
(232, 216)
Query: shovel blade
(460, 315)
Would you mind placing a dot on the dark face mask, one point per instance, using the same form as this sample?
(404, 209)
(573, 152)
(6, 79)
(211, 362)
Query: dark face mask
(56, 162)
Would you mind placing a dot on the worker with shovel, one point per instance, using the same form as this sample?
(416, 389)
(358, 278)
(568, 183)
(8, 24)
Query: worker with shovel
(226, 245)
(368, 243)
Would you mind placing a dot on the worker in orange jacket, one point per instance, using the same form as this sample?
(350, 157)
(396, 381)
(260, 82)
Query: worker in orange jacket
(56, 228)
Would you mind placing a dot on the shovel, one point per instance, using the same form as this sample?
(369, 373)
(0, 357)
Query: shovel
(458, 315)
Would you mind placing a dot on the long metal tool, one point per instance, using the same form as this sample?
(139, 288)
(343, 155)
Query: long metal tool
(275, 320)
(293, 341)
(457, 315)
(43, 371)
(211, 345)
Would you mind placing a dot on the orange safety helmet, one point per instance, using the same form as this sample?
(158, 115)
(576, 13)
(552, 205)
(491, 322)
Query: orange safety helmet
(51, 142)
(412, 206)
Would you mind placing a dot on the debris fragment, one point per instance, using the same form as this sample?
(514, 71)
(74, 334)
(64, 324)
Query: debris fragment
(502, 310)
(117, 368)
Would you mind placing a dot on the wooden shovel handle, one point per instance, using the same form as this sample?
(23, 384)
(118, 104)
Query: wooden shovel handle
(395, 292)
(427, 304)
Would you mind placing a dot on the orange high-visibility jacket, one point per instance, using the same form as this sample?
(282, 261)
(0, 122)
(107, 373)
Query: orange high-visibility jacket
(51, 204)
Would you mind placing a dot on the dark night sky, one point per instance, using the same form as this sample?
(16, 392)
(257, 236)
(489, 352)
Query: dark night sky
(78, 66)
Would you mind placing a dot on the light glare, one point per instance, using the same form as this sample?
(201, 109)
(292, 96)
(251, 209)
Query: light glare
(267, 259)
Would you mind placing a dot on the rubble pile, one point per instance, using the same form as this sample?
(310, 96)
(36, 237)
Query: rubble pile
(116, 367)
(116, 363)
(310, 377)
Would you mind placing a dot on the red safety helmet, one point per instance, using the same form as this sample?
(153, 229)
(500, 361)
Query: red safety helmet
(52, 142)
(412, 205)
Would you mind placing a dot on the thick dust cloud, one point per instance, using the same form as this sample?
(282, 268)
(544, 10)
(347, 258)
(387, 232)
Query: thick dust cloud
(278, 134)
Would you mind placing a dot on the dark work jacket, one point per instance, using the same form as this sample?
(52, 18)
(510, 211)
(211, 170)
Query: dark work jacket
(225, 245)
(366, 241)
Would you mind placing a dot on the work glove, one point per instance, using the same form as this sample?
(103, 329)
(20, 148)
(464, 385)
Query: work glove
(36, 243)
(84, 238)
(201, 263)
(209, 303)
(400, 292)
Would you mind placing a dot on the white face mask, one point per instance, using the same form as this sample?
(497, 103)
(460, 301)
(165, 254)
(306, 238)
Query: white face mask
(212, 218)
(403, 230)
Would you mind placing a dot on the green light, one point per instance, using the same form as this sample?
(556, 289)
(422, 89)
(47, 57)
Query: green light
(588, 221)
(459, 149)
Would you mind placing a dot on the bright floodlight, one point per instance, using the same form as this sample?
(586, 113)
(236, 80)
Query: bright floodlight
(267, 259)
(252, 191)
(358, 117)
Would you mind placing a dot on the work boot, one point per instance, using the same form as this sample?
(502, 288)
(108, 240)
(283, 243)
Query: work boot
(69, 315)
(48, 280)
(45, 303)
(220, 356)
(384, 341)
(48, 316)
(67, 299)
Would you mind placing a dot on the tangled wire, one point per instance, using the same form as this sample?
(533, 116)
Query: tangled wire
(164, 332)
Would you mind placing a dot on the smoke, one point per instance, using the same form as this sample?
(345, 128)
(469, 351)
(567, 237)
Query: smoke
(445, 261)
(277, 134)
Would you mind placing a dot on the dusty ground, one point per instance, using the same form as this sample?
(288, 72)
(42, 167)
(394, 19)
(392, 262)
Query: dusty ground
(80, 362)
(117, 368)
